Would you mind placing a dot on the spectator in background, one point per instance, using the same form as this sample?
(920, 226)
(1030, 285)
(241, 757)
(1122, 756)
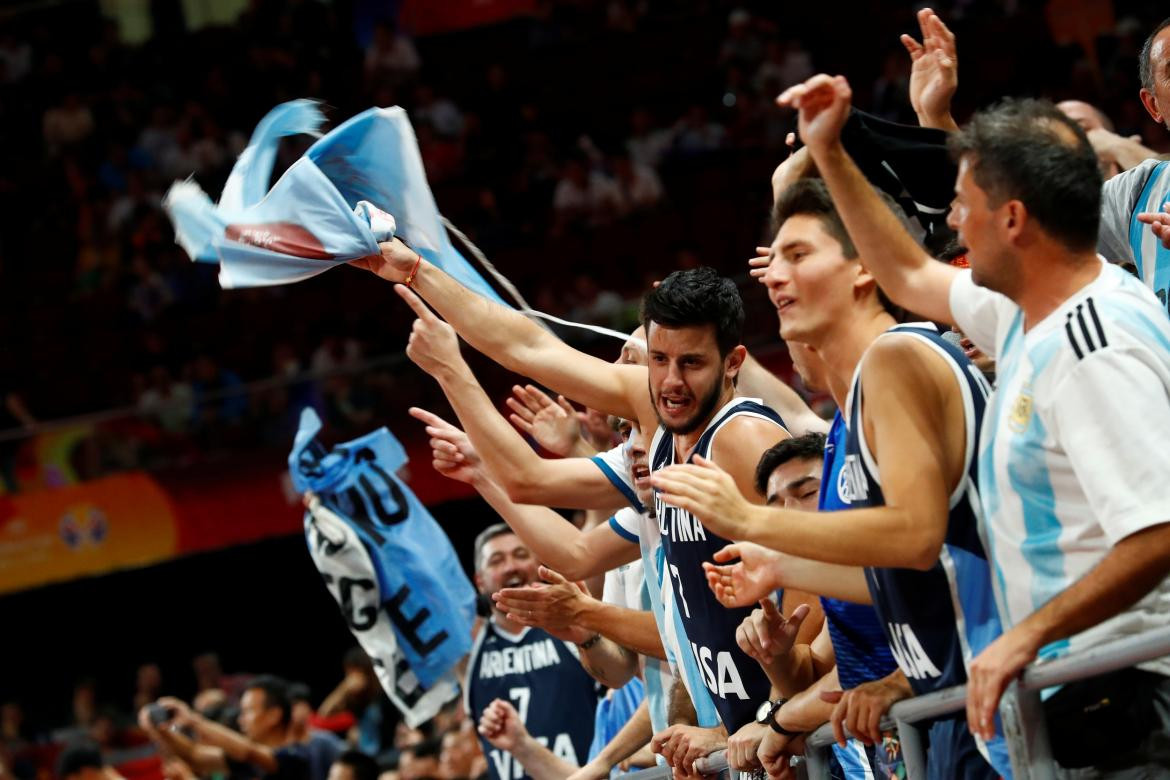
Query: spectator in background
(1114, 152)
(583, 197)
(696, 133)
(148, 685)
(742, 46)
(334, 353)
(391, 57)
(647, 144)
(461, 756)
(360, 694)
(219, 393)
(593, 304)
(639, 187)
(442, 114)
(354, 765)
(419, 761)
(150, 295)
(83, 761)
(67, 124)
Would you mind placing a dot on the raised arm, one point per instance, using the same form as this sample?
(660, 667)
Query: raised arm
(918, 437)
(516, 342)
(757, 381)
(555, 541)
(903, 269)
(575, 483)
(934, 72)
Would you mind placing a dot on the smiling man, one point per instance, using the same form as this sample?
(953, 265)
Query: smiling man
(540, 674)
(1072, 459)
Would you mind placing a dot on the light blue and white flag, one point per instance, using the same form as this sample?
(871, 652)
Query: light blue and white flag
(362, 183)
(388, 564)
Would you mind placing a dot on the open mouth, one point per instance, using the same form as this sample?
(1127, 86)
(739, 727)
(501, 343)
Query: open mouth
(784, 303)
(516, 581)
(641, 474)
(969, 349)
(674, 407)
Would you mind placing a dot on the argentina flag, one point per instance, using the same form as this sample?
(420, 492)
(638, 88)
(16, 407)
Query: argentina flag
(388, 564)
(362, 183)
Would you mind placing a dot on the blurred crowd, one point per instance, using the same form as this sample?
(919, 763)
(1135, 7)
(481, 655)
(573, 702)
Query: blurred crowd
(634, 159)
(239, 726)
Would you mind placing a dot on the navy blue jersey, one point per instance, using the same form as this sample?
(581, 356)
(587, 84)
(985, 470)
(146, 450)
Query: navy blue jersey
(542, 678)
(935, 620)
(737, 683)
(859, 643)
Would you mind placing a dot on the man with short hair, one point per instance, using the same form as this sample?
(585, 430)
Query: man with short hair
(354, 765)
(694, 322)
(267, 741)
(911, 403)
(538, 672)
(1071, 468)
(1135, 223)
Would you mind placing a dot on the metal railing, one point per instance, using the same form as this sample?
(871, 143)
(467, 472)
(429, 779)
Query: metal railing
(1023, 721)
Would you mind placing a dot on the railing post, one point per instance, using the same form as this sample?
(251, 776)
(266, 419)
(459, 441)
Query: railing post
(913, 751)
(816, 762)
(1026, 732)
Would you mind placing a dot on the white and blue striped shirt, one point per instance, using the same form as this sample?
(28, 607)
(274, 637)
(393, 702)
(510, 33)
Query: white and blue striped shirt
(1074, 451)
(1122, 238)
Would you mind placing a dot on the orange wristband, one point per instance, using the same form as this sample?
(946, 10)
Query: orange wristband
(413, 272)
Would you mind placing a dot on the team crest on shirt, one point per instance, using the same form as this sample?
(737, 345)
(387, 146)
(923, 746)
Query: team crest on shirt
(851, 482)
(1021, 409)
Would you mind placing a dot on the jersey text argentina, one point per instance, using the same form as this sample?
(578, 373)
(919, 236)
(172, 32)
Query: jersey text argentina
(542, 678)
(737, 683)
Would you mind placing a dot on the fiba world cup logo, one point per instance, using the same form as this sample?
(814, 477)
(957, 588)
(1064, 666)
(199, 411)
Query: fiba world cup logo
(83, 526)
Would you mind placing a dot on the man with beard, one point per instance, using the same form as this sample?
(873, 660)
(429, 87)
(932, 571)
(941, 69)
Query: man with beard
(538, 673)
(694, 321)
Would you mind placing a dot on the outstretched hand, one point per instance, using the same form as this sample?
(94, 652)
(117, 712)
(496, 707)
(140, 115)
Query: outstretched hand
(707, 492)
(554, 425)
(433, 345)
(1159, 222)
(746, 581)
(823, 103)
(554, 605)
(934, 71)
(452, 453)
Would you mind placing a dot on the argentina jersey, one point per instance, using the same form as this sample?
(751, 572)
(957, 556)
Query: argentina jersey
(737, 683)
(1073, 455)
(542, 678)
(858, 640)
(936, 621)
(1122, 238)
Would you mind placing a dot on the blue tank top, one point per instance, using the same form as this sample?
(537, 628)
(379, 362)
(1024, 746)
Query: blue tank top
(858, 640)
(936, 620)
(542, 678)
(737, 683)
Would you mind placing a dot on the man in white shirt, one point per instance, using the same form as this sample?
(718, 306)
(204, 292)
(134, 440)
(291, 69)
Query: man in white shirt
(1073, 458)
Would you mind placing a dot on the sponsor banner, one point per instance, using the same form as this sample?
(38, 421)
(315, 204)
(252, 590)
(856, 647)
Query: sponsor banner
(138, 519)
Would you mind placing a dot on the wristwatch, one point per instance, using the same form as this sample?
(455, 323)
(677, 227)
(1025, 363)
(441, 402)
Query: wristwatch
(590, 642)
(767, 710)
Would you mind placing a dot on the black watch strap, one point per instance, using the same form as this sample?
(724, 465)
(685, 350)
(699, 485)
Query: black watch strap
(777, 727)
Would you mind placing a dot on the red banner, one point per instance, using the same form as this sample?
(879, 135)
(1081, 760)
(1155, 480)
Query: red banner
(138, 519)
(426, 17)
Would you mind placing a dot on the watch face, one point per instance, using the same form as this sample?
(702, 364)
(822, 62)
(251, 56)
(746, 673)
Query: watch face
(763, 711)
